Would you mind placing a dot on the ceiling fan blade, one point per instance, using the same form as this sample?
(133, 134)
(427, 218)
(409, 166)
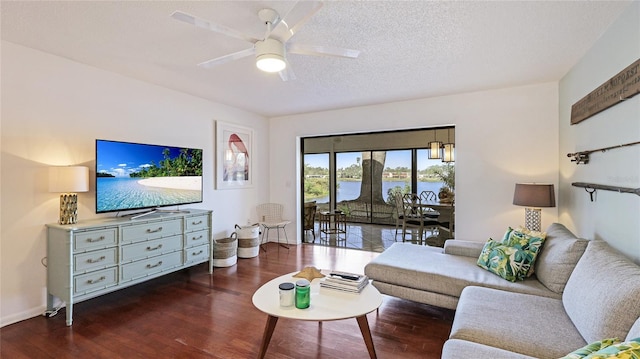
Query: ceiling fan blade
(317, 50)
(227, 58)
(287, 74)
(301, 12)
(221, 29)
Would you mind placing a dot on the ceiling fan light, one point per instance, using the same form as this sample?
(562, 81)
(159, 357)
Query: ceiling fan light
(270, 55)
(270, 63)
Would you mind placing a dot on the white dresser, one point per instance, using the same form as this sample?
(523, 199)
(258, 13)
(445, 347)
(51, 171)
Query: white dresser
(95, 257)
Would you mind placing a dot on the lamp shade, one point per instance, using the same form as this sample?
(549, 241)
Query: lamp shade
(68, 179)
(434, 150)
(534, 195)
(448, 152)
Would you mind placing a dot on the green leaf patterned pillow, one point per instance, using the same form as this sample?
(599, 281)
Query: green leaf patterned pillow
(626, 350)
(525, 240)
(503, 260)
(505, 238)
(591, 348)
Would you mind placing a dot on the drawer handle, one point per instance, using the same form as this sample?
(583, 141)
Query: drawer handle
(154, 265)
(195, 254)
(94, 281)
(196, 238)
(93, 240)
(91, 260)
(154, 248)
(149, 230)
(196, 223)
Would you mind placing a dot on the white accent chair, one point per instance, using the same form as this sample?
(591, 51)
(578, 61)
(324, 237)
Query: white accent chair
(270, 217)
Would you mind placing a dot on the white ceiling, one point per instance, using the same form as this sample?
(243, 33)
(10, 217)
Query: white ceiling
(410, 49)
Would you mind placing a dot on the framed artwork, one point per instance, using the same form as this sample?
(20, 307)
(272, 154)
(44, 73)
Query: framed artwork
(234, 156)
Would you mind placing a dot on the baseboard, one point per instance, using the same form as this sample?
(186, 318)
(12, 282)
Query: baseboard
(18, 317)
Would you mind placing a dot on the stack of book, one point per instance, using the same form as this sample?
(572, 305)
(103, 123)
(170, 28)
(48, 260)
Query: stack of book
(346, 282)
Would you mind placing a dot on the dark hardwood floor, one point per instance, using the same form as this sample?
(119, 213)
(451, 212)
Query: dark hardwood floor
(190, 314)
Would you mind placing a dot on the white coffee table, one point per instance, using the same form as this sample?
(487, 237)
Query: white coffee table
(326, 304)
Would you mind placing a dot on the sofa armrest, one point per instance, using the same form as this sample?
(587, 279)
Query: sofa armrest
(460, 247)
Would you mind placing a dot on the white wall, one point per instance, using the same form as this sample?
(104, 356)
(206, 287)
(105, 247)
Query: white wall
(502, 137)
(53, 109)
(612, 216)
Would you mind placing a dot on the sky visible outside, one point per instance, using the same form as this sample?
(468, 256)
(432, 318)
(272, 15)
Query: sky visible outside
(401, 158)
(122, 158)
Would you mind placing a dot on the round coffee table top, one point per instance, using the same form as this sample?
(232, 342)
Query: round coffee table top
(326, 304)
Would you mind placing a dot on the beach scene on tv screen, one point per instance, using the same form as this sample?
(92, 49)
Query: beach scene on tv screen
(131, 176)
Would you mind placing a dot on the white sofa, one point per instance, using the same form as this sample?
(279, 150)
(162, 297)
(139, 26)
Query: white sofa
(582, 291)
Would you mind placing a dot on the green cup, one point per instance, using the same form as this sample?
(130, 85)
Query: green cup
(303, 294)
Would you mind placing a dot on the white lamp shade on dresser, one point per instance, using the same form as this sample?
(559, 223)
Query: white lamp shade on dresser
(68, 179)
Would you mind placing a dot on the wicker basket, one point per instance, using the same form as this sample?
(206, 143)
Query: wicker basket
(248, 241)
(225, 251)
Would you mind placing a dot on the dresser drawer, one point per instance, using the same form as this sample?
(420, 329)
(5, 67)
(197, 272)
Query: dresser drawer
(151, 266)
(152, 230)
(95, 280)
(103, 238)
(196, 238)
(156, 247)
(94, 260)
(196, 223)
(196, 254)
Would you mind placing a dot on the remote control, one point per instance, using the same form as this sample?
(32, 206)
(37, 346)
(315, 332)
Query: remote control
(345, 276)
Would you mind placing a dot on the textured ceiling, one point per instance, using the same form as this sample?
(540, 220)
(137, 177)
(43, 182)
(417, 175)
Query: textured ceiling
(409, 49)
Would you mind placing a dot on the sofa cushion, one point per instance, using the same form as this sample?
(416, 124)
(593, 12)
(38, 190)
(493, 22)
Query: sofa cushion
(559, 255)
(522, 323)
(459, 247)
(602, 296)
(634, 332)
(507, 262)
(425, 268)
(456, 349)
(591, 348)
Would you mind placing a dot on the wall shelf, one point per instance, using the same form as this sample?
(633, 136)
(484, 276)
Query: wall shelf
(592, 187)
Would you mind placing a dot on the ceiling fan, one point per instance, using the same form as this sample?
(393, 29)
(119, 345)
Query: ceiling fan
(271, 50)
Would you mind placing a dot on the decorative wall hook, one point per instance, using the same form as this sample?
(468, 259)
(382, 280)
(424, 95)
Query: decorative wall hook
(591, 192)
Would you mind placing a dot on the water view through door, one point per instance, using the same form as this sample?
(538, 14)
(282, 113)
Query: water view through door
(364, 181)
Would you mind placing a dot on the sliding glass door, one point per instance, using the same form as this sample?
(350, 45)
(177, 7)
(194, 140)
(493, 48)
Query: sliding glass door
(316, 179)
(358, 173)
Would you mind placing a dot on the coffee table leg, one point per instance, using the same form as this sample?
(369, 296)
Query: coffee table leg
(268, 331)
(366, 334)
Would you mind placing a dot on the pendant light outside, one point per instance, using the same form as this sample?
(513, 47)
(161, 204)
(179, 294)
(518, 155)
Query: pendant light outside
(448, 149)
(448, 152)
(435, 147)
(434, 150)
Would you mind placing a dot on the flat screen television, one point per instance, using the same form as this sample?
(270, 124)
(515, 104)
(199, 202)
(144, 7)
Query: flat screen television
(133, 176)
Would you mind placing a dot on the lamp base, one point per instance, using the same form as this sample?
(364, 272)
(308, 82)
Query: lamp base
(532, 219)
(68, 208)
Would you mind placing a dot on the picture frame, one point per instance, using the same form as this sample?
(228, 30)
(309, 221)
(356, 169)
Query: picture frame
(234, 156)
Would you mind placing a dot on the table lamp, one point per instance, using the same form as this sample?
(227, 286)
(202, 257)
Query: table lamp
(68, 181)
(533, 196)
